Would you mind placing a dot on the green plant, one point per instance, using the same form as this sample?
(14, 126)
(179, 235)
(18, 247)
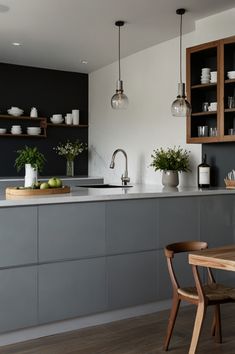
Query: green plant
(30, 155)
(175, 159)
(70, 149)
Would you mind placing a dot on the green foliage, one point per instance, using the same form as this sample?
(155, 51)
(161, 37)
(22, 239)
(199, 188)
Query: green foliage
(175, 159)
(30, 155)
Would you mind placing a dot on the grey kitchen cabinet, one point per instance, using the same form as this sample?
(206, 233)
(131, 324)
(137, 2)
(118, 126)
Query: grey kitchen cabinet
(217, 215)
(178, 220)
(70, 289)
(217, 220)
(70, 231)
(18, 236)
(132, 279)
(18, 298)
(131, 225)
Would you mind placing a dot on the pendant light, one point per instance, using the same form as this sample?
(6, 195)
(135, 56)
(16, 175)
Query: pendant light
(119, 99)
(181, 107)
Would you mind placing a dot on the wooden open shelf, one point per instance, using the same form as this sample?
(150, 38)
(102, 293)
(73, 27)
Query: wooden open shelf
(208, 113)
(67, 125)
(229, 81)
(39, 121)
(201, 86)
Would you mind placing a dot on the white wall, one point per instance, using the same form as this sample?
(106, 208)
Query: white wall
(150, 82)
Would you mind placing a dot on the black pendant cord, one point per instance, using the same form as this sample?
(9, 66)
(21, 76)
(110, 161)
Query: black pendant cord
(119, 55)
(181, 49)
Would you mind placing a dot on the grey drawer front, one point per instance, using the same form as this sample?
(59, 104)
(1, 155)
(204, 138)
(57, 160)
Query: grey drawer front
(18, 236)
(131, 225)
(71, 231)
(132, 279)
(71, 289)
(18, 299)
(178, 220)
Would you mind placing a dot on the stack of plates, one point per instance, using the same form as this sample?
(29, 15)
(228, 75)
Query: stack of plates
(16, 129)
(231, 75)
(33, 130)
(213, 78)
(205, 76)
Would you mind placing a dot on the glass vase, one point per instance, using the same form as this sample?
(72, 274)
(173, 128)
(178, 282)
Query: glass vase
(70, 168)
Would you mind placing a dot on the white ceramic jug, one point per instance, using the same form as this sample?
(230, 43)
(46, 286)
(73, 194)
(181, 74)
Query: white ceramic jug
(33, 112)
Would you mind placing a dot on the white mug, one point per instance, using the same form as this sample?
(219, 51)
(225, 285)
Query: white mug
(69, 118)
(75, 115)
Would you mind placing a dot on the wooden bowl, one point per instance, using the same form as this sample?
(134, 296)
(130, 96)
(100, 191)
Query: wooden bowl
(230, 184)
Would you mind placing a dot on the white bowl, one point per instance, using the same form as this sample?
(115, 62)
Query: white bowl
(3, 130)
(15, 111)
(231, 72)
(33, 133)
(34, 128)
(56, 120)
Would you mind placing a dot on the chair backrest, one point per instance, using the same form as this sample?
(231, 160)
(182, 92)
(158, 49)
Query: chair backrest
(180, 247)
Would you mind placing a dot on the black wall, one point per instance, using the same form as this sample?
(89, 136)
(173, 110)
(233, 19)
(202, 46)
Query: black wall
(51, 92)
(221, 157)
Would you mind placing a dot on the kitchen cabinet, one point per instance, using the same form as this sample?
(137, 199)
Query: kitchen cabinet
(18, 299)
(18, 236)
(131, 226)
(179, 220)
(71, 231)
(71, 289)
(132, 279)
(218, 56)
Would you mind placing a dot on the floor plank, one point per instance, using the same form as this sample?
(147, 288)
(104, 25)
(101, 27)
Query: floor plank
(139, 335)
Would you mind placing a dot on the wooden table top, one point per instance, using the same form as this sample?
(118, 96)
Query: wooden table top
(219, 258)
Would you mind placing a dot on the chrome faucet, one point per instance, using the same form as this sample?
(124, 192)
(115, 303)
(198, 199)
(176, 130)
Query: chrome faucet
(125, 179)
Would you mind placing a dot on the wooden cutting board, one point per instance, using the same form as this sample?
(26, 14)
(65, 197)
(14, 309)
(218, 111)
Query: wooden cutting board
(16, 191)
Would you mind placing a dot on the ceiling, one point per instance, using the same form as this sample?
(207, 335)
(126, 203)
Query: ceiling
(60, 34)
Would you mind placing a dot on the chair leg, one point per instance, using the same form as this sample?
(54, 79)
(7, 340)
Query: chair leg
(218, 332)
(213, 325)
(171, 321)
(201, 310)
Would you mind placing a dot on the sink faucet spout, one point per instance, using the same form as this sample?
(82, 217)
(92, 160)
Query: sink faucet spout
(125, 179)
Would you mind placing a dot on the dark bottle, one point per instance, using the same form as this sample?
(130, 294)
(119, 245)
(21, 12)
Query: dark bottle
(203, 174)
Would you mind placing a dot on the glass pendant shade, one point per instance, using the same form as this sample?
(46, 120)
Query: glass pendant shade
(181, 107)
(119, 99)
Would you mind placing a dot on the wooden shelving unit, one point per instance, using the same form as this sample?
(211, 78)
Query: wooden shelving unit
(67, 125)
(218, 56)
(22, 120)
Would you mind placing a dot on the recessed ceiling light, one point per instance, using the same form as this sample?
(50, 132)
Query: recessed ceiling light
(85, 62)
(16, 44)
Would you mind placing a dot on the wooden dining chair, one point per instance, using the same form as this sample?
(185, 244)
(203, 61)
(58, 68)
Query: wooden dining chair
(201, 295)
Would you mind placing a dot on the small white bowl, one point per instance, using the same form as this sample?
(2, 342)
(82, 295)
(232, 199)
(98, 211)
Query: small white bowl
(3, 130)
(33, 133)
(14, 111)
(56, 120)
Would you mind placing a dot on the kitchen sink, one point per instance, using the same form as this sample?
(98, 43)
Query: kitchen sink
(103, 186)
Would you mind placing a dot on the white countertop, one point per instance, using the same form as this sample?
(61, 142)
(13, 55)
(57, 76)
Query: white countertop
(84, 194)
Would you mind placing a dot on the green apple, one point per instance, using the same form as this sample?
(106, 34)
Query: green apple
(44, 185)
(59, 183)
(55, 182)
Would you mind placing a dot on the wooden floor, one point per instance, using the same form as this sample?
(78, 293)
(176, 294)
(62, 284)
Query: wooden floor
(140, 335)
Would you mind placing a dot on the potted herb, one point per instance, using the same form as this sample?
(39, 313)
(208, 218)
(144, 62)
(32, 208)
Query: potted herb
(33, 161)
(70, 150)
(170, 162)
